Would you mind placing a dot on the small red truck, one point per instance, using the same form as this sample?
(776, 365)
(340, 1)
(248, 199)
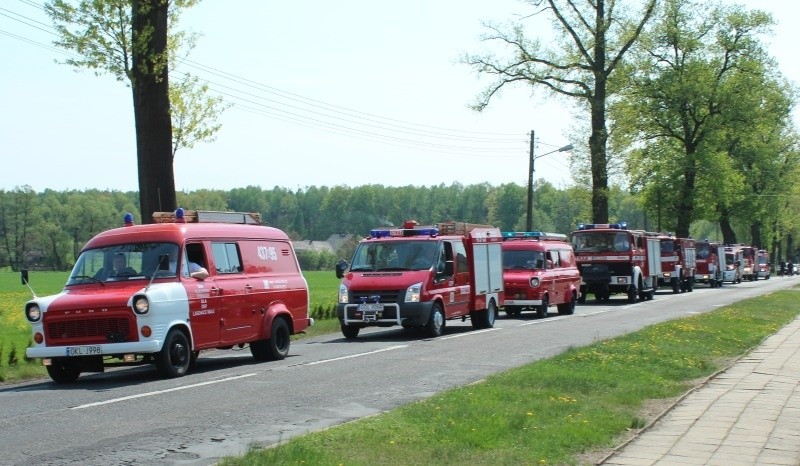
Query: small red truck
(678, 263)
(710, 259)
(614, 259)
(763, 266)
(539, 271)
(420, 277)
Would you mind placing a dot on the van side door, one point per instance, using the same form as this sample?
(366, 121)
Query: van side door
(239, 323)
(205, 299)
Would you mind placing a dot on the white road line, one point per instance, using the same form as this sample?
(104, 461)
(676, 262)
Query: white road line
(159, 392)
(353, 355)
(474, 332)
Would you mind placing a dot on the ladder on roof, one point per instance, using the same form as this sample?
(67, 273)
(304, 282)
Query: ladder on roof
(209, 216)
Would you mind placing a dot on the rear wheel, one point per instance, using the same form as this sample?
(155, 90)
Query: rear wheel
(633, 293)
(277, 346)
(63, 371)
(484, 318)
(674, 283)
(175, 356)
(567, 308)
(435, 325)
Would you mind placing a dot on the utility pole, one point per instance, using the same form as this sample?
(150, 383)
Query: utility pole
(528, 219)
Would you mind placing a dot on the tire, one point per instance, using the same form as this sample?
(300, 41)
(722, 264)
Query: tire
(277, 346)
(484, 318)
(175, 356)
(435, 325)
(568, 308)
(193, 360)
(633, 293)
(541, 311)
(582, 299)
(675, 287)
(513, 311)
(350, 332)
(690, 285)
(63, 371)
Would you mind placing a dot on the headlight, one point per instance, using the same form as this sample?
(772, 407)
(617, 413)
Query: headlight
(534, 282)
(33, 313)
(342, 294)
(413, 293)
(141, 305)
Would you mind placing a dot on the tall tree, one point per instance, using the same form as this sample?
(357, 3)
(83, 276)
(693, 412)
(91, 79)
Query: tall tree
(686, 79)
(593, 38)
(129, 40)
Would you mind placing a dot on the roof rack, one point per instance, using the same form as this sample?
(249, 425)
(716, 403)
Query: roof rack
(458, 228)
(207, 216)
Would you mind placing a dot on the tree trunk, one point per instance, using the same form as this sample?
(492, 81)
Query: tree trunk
(686, 199)
(597, 149)
(150, 87)
(755, 234)
(728, 235)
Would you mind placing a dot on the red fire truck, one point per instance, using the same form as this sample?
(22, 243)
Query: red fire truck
(614, 259)
(422, 276)
(192, 281)
(762, 264)
(710, 263)
(749, 271)
(539, 271)
(678, 263)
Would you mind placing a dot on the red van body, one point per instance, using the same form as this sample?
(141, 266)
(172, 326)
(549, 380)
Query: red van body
(539, 271)
(255, 295)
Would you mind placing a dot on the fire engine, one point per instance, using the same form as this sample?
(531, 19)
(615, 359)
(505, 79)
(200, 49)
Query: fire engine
(614, 259)
(539, 271)
(749, 271)
(420, 277)
(678, 263)
(191, 281)
(710, 263)
(762, 264)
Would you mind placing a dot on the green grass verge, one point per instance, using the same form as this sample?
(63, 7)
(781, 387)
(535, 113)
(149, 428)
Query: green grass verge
(552, 411)
(15, 332)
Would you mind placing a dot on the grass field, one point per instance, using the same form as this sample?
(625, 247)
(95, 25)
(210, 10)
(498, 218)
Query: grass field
(15, 333)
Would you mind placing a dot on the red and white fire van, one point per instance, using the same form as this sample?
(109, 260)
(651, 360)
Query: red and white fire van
(710, 258)
(678, 263)
(420, 277)
(734, 258)
(153, 311)
(614, 259)
(762, 264)
(539, 271)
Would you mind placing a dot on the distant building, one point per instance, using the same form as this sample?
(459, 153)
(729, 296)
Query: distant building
(331, 245)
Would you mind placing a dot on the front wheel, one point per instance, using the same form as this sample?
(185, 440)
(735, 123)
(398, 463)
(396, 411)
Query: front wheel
(541, 311)
(484, 318)
(633, 294)
(175, 356)
(63, 371)
(435, 325)
(277, 346)
(350, 332)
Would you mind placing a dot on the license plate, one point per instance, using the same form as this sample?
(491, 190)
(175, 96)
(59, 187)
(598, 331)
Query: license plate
(83, 350)
(370, 307)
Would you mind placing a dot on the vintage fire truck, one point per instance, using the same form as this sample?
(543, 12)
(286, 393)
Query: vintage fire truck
(678, 263)
(539, 271)
(614, 259)
(162, 293)
(710, 259)
(421, 276)
(762, 264)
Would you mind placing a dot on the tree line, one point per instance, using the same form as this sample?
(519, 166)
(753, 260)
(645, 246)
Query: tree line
(47, 229)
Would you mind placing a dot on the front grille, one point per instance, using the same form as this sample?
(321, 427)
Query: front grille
(368, 296)
(604, 271)
(93, 330)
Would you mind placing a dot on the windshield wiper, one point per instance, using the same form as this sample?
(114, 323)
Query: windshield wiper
(85, 277)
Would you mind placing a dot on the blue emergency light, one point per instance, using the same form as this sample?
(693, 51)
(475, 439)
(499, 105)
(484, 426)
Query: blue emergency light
(400, 232)
(598, 226)
(522, 234)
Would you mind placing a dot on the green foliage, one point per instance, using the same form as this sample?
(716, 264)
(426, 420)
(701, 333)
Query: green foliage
(550, 411)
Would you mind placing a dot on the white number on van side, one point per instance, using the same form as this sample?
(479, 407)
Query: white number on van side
(267, 253)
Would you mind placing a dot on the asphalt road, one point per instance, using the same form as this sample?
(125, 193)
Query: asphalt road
(231, 403)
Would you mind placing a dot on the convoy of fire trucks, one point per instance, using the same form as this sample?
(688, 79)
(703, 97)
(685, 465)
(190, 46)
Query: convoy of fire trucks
(158, 309)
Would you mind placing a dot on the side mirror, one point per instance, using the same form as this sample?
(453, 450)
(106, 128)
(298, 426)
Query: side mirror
(341, 267)
(548, 264)
(24, 276)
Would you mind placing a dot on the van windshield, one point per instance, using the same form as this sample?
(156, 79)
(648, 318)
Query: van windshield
(125, 262)
(394, 255)
(523, 259)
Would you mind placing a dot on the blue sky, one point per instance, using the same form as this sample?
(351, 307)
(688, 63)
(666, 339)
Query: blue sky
(324, 93)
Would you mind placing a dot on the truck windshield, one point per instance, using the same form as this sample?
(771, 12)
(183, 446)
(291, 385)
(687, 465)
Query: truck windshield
(523, 259)
(394, 255)
(125, 262)
(703, 250)
(601, 241)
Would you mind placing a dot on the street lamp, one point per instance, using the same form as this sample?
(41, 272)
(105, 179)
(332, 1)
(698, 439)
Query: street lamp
(568, 147)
